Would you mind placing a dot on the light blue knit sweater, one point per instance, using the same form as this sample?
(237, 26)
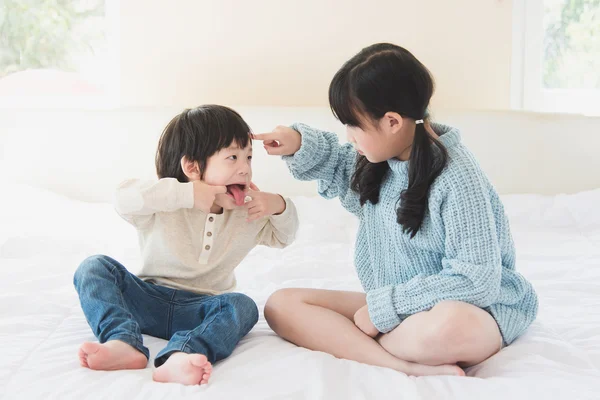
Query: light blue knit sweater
(464, 250)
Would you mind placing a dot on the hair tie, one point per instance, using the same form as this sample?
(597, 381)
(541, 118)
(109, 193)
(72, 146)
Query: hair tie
(419, 121)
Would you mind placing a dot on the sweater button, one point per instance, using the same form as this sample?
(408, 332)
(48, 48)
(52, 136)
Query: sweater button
(211, 219)
(209, 234)
(207, 247)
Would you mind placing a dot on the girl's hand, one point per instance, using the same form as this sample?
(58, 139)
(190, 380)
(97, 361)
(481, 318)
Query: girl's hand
(283, 141)
(204, 195)
(363, 322)
(263, 204)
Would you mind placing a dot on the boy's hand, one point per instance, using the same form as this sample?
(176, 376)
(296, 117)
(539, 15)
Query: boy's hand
(204, 195)
(363, 322)
(263, 204)
(283, 141)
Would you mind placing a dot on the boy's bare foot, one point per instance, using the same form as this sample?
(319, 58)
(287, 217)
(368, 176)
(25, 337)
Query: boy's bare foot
(112, 355)
(188, 369)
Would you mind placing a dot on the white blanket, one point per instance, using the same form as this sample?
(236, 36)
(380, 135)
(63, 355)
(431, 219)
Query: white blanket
(43, 238)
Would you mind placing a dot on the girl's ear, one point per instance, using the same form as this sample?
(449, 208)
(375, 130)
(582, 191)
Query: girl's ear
(190, 169)
(392, 122)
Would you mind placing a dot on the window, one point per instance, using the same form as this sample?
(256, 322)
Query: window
(556, 64)
(56, 53)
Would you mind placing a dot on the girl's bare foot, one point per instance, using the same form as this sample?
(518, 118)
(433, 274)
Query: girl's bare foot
(188, 369)
(112, 355)
(428, 370)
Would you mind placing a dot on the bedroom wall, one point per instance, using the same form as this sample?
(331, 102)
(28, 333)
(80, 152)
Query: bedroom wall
(85, 154)
(284, 53)
(276, 59)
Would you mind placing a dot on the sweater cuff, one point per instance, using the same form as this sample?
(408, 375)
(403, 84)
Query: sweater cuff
(287, 216)
(304, 159)
(381, 309)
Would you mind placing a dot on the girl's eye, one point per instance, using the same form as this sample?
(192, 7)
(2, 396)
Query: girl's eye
(249, 157)
(232, 158)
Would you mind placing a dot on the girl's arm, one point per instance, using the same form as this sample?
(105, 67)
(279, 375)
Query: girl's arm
(322, 158)
(472, 264)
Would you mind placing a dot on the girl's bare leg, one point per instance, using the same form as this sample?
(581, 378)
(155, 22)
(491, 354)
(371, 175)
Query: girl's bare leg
(322, 320)
(452, 332)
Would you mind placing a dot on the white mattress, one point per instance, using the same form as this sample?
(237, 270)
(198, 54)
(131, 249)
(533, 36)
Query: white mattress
(43, 237)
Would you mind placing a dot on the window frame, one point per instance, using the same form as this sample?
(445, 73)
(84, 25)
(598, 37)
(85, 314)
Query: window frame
(109, 99)
(527, 92)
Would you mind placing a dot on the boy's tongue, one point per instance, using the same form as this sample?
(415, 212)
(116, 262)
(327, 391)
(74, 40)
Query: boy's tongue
(238, 194)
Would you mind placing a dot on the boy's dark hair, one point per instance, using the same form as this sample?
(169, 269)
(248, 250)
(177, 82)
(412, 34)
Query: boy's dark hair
(197, 134)
(379, 79)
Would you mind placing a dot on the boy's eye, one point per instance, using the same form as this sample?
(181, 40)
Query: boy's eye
(249, 157)
(232, 158)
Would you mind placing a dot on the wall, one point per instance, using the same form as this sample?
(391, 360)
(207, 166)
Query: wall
(85, 154)
(284, 53)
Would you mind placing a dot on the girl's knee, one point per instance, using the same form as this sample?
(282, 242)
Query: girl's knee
(278, 305)
(469, 333)
(281, 300)
(454, 325)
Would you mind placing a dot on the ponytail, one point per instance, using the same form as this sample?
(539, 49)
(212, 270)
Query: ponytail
(367, 179)
(428, 158)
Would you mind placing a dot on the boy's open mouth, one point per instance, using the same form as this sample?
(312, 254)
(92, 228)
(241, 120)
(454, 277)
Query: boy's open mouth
(237, 192)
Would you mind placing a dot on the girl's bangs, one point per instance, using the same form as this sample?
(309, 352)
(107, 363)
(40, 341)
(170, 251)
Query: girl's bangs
(343, 102)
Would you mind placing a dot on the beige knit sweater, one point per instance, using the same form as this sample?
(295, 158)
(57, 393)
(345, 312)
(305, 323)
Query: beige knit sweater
(185, 248)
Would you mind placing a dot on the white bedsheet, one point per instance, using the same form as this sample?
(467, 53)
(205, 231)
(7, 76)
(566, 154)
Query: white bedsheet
(43, 237)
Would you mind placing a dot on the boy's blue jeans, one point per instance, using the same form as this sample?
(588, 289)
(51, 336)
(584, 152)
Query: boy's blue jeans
(120, 306)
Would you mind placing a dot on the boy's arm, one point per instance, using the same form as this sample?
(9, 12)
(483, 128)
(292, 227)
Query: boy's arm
(280, 229)
(137, 201)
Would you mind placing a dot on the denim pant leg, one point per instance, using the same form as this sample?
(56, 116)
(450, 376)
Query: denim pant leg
(209, 325)
(120, 306)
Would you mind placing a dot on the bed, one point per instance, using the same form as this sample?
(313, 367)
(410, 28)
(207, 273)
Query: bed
(57, 173)
(44, 235)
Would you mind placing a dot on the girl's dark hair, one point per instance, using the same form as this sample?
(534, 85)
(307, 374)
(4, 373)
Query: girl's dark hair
(379, 79)
(197, 134)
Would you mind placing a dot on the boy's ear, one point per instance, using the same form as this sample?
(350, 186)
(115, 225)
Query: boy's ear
(191, 169)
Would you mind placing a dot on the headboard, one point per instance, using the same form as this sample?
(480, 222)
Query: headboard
(84, 154)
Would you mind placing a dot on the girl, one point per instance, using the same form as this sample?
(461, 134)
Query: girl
(434, 252)
(194, 229)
